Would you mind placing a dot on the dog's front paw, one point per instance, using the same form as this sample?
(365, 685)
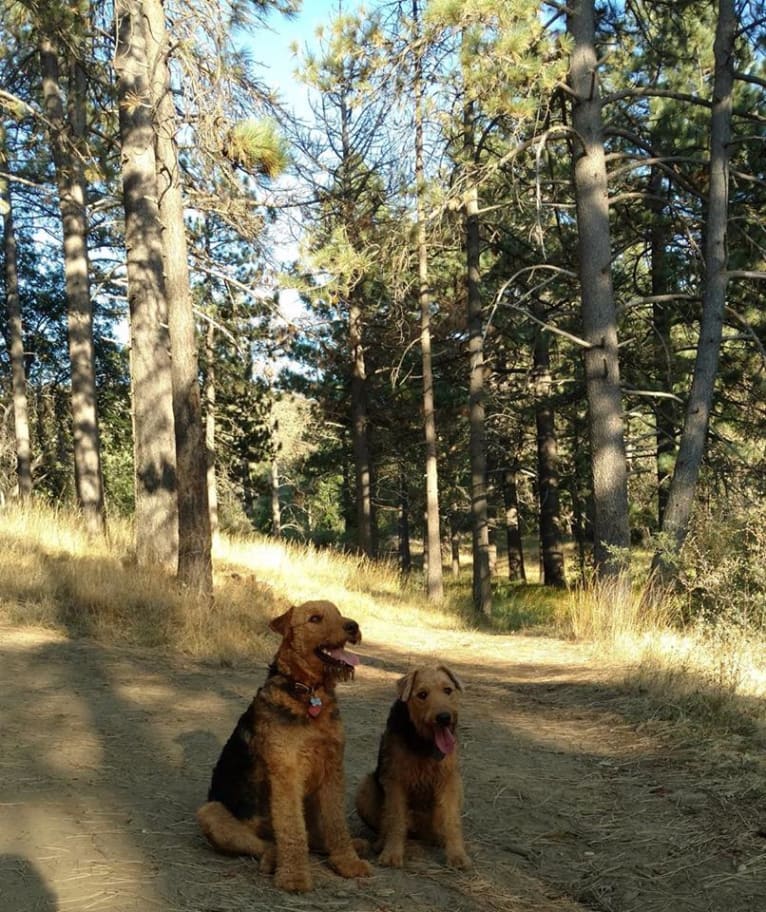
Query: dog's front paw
(349, 865)
(269, 860)
(294, 880)
(458, 859)
(391, 857)
(361, 846)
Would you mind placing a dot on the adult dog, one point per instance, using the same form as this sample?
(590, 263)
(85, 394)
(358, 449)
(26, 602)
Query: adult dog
(416, 787)
(278, 785)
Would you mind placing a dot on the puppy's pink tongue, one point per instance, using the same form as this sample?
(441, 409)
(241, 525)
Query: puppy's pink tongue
(445, 740)
(340, 655)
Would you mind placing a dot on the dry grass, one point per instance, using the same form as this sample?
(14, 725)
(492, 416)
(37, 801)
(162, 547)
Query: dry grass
(53, 575)
(613, 611)
(709, 669)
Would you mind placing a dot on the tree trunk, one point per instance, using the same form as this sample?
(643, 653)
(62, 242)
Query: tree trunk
(66, 137)
(156, 519)
(405, 551)
(15, 340)
(210, 417)
(605, 415)
(195, 567)
(697, 420)
(359, 431)
(514, 546)
(434, 580)
(579, 491)
(662, 324)
(551, 554)
(454, 538)
(276, 511)
(482, 578)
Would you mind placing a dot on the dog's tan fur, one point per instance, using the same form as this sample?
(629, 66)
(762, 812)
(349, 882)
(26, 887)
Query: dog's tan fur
(416, 787)
(280, 776)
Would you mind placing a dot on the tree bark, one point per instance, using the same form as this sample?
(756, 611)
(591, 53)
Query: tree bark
(513, 541)
(482, 577)
(605, 415)
(434, 580)
(697, 419)
(405, 552)
(454, 539)
(359, 430)
(359, 423)
(156, 518)
(276, 510)
(15, 341)
(210, 418)
(665, 422)
(195, 568)
(482, 583)
(66, 138)
(551, 553)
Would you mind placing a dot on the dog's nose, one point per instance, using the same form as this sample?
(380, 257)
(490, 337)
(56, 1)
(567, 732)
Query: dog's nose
(351, 628)
(443, 718)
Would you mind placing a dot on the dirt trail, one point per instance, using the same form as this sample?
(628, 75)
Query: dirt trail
(572, 802)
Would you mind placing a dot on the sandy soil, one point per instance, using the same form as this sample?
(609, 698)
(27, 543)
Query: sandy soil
(575, 798)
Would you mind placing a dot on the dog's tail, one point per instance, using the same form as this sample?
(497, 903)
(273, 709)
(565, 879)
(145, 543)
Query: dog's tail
(228, 834)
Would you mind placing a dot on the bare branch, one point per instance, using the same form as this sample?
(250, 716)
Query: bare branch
(651, 394)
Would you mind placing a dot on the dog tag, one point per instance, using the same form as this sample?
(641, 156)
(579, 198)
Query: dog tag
(315, 706)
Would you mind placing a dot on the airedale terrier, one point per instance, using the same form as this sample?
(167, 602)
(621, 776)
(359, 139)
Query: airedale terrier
(416, 788)
(278, 786)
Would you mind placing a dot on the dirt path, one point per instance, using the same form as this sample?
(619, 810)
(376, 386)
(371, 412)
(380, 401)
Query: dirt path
(572, 802)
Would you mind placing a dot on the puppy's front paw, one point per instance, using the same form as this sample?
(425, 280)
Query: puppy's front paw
(391, 857)
(361, 846)
(349, 865)
(269, 860)
(458, 859)
(294, 880)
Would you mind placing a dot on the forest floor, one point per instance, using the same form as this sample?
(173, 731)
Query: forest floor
(579, 794)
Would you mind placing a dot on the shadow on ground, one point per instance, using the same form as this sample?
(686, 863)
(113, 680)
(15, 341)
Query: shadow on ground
(571, 801)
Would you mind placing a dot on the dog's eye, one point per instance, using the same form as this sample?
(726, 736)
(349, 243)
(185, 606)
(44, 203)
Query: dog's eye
(448, 690)
(315, 619)
(422, 694)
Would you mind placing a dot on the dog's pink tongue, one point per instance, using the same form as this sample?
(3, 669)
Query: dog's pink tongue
(445, 740)
(340, 655)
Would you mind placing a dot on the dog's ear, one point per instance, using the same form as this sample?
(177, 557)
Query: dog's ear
(281, 624)
(404, 686)
(452, 676)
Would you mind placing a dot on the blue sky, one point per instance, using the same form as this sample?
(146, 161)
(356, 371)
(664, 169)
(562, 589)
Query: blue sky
(272, 49)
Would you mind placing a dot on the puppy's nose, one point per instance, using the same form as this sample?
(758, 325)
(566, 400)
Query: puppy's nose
(443, 718)
(351, 628)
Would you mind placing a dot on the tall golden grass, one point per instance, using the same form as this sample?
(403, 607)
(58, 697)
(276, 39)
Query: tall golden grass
(709, 667)
(52, 574)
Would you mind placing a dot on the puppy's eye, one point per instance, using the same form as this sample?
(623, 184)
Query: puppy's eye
(448, 690)
(315, 619)
(422, 694)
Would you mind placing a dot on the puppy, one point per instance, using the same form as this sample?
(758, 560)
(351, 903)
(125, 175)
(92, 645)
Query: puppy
(278, 786)
(416, 787)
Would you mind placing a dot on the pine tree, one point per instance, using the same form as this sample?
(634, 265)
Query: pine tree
(433, 554)
(605, 414)
(694, 435)
(195, 568)
(15, 335)
(67, 131)
(156, 516)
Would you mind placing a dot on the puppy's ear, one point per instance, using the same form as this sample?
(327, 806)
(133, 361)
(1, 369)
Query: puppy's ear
(404, 686)
(452, 676)
(281, 624)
